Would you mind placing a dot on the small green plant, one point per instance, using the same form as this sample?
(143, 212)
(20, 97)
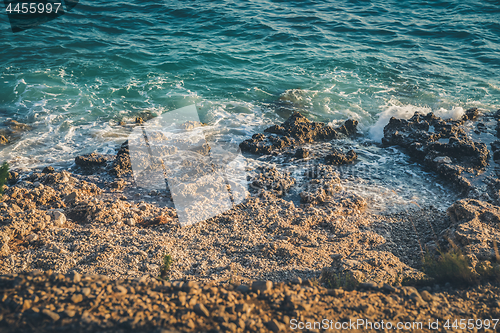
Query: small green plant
(4, 174)
(165, 267)
(452, 267)
(334, 281)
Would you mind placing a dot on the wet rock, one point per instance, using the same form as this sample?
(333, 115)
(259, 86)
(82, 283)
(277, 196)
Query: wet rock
(190, 125)
(118, 185)
(11, 131)
(12, 178)
(90, 160)
(495, 148)
(297, 129)
(48, 169)
(17, 126)
(301, 153)
(71, 197)
(339, 158)
(471, 114)
(265, 144)
(122, 165)
(442, 145)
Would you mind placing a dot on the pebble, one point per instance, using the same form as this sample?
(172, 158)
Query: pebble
(201, 310)
(148, 305)
(242, 288)
(76, 298)
(52, 315)
(32, 237)
(59, 218)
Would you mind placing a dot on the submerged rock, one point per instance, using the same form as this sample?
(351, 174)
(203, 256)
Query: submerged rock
(11, 130)
(3, 140)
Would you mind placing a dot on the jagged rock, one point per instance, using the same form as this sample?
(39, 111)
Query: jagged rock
(12, 178)
(442, 145)
(301, 153)
(122, 164)
(338, 157)
(48, 169)
(265, 144)
(90, 160)
(271, 179)
(495, 148)
(3, 140)
(297, 129)
(475, 227)
(471, 114)
(17, 126)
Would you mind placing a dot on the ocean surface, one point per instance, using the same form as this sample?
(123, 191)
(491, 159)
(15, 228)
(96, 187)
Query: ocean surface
(75, 78)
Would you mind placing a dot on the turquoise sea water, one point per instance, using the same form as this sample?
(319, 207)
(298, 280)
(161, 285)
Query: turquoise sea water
(73, 79)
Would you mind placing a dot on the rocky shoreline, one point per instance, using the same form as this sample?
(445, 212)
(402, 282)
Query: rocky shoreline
(49, 302)
(93, 221)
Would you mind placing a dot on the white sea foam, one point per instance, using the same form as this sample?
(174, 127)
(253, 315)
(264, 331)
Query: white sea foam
(394, 108)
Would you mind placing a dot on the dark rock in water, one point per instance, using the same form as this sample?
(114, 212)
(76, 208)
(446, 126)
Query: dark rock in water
(301, 153)
(442, 145)
(121, 164)
(17, 126)
(11, 131)
(338, 157)
(48, 169)
(471, 114)
(262, 144)
(349, 128)
(303, 130)
(297, 129)
(495, 148)
(90, 160)
(12, 178)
